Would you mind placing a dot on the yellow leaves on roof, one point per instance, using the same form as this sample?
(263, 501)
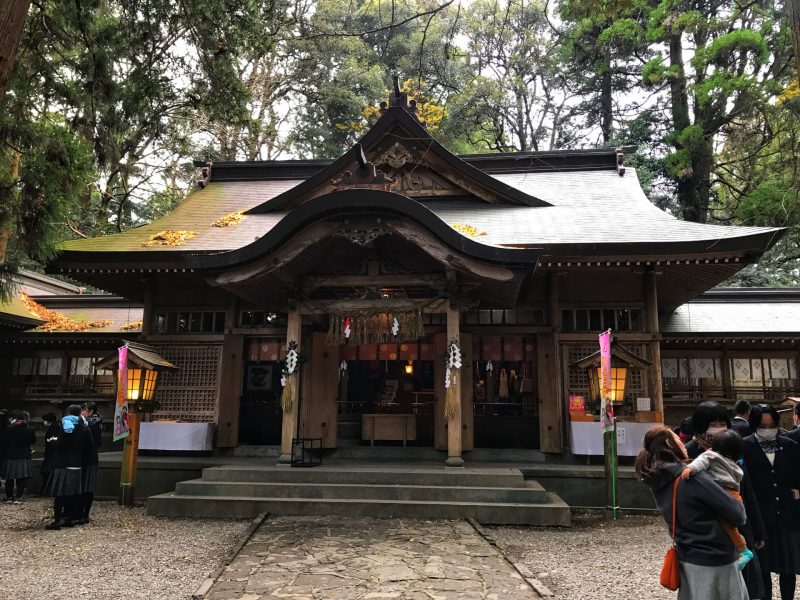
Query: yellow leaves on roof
(233, 218)
(55, 321)
(169, 237)
(469, 230)
(131, 326)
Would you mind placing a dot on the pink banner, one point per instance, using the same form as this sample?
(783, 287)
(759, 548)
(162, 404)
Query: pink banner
(121, 429)
(606, 407)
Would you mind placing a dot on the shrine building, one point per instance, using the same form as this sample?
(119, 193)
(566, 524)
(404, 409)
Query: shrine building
(377, 264)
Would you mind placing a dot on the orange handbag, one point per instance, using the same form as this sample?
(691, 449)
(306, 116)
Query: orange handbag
(670, 572)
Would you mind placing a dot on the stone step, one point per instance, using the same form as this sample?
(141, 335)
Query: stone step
(531, 492)
(434, 476)
(554, 512)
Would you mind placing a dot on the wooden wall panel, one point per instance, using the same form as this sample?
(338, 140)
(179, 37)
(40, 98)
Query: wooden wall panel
(230, 386)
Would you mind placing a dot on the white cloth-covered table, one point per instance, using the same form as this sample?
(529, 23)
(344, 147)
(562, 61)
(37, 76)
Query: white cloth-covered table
(176, 436)
(586, 438)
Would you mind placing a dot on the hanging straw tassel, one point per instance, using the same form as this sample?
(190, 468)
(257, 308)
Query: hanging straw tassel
(450, 400)
(287, 398)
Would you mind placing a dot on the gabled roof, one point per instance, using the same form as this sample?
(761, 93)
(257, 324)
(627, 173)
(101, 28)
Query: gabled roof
(397, 125)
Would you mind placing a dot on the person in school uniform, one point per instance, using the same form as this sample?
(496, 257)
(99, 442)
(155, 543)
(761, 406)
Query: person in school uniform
(91, 461)
(772, 461)
(66, 480)
(51, 427)
(17, 465)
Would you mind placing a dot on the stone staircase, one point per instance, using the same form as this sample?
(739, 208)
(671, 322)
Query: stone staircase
(488, 495)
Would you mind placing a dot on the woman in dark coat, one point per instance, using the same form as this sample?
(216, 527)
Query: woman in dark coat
(708, 419)
(66, 481)
(707, 557)
(773, 462)
(17, 465)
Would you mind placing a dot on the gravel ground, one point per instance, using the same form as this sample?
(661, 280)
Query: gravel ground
(123, 554)
(594, 559)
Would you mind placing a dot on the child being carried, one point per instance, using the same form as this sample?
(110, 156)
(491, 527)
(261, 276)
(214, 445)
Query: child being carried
(720, 462)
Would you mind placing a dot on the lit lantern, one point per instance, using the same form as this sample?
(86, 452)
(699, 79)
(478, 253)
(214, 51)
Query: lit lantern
(409, 368)
(141, 384)
(619, 376)
(622, 361)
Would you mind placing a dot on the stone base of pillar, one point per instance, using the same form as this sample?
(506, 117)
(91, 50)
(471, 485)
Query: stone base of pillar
(454, 462)
(285, 459)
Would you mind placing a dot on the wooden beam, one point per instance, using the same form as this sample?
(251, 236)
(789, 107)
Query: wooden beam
(655, 379)
(289, 426)
(324, 281)
(454, 423)
(321, 307)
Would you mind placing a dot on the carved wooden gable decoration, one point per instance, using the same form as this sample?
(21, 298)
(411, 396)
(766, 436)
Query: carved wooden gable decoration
(399, 155)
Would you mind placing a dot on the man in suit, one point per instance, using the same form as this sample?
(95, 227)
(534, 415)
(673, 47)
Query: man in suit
(740, 423)
(795, 433)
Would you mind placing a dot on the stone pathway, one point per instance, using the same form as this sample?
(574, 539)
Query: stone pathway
(338, 558)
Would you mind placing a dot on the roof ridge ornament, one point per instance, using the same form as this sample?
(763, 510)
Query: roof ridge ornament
(205, 175)
(400, 99)
(620, 161)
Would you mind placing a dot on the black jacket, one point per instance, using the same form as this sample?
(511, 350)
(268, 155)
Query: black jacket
(794, 434)
(699, 538)
(773, 482)
(741, 426)
(72, 448)
(17, 440)
(50, 447)
(95, 432)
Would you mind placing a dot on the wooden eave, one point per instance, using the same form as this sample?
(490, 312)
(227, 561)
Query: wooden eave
(397, 123)
(617, 352)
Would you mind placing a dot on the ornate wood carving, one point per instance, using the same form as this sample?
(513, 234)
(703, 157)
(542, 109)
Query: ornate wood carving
(362, 237)
(365, 176)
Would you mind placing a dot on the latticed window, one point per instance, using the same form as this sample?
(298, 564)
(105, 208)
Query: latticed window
(190, 393)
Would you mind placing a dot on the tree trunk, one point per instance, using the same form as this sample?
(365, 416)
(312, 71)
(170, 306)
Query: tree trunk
(688, 181)
(794, 23)
(12, 20)
(677, 87)
(606, 106)
(697, 198)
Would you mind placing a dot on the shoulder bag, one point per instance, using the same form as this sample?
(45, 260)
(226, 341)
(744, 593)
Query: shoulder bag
(670, 572)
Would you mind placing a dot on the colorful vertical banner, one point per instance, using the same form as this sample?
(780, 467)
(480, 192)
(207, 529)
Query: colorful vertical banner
(121, 428)
(606, 406)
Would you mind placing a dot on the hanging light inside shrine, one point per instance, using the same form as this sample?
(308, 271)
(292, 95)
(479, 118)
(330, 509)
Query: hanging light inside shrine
(410, 368)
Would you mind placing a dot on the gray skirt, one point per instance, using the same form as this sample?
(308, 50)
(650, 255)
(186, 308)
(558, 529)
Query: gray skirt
(64, 482)
(17, 468)
(711, 583)
(89, 475)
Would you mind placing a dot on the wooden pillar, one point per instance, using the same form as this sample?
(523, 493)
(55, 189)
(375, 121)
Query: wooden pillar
(727, 380)
(467, 387)
(294, 330)
(318, 417)
(655, 381)
(148, 309)
(551, 434)
(454, 423)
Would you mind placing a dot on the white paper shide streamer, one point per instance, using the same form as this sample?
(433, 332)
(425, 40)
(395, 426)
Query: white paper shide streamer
(453, 364)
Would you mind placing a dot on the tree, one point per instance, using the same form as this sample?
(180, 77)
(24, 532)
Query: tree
(720, 62)
(12, 20)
